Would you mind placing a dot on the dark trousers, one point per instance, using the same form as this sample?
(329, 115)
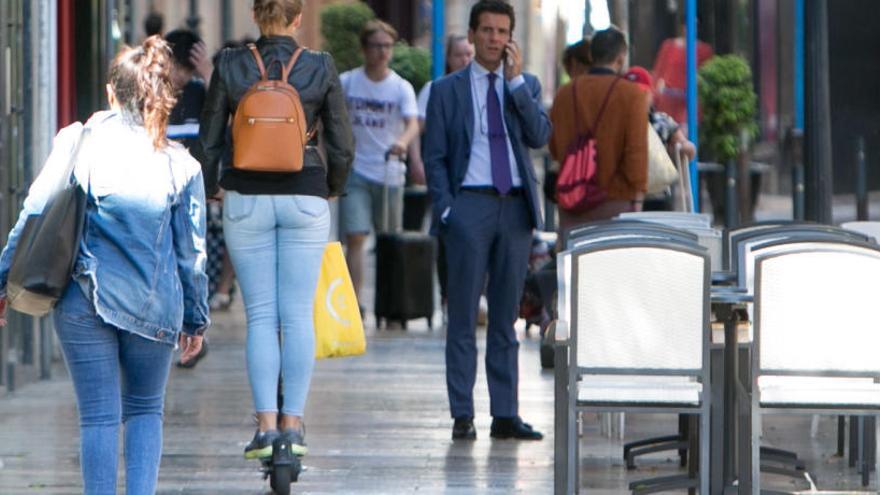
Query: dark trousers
(485, 234)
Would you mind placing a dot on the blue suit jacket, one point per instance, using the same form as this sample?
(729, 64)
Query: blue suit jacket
(449, 130)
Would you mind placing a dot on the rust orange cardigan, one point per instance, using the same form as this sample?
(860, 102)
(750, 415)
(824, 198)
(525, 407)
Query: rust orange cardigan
(621, 136)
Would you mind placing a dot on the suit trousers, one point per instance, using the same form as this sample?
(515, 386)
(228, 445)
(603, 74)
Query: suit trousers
(485, 235)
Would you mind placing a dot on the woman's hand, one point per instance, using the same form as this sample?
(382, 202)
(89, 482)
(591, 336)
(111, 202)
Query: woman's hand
(218, 197)
(190, 345)
(687, 147)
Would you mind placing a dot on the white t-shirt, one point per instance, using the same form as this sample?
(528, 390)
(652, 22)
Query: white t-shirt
(378, 111)
(424, 95)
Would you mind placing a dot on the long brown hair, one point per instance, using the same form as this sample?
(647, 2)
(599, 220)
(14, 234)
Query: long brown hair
(276, 14)
(141, 80)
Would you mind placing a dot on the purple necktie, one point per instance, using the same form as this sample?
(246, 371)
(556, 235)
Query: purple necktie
(497, 140)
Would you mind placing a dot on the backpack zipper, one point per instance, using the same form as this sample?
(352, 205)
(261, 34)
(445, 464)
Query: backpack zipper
(274, 120)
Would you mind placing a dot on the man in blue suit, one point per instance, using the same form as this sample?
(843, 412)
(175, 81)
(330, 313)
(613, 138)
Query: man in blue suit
(480, 123)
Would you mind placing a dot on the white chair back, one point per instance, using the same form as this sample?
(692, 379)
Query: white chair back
(817, 310)
(696, 223)
(639, 306)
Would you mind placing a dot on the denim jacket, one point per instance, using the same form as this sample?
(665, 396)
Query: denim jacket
(142, 255)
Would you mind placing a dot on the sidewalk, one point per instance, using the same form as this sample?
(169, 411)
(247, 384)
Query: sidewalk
(774, 207)
(377, 424)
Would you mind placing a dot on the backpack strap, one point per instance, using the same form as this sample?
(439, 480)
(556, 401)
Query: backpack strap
(263, 75)
(574, 100)
(604, 104)
(285, 76)
(289, 67)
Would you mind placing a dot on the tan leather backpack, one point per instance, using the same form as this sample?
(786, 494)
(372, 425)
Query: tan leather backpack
(269, 128)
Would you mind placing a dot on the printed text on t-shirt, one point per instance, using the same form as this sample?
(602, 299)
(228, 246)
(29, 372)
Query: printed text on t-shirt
(380, 109)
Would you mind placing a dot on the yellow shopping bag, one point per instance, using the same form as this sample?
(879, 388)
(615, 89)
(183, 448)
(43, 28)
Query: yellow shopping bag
(339, 331)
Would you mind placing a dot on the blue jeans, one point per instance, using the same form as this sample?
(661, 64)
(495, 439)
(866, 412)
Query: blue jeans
(118, 377)
(276, 244)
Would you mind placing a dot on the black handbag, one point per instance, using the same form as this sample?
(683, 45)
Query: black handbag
(48, 247)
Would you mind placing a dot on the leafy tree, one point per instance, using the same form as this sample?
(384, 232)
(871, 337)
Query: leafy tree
(729, 105)
(341, 25)
(412, 63)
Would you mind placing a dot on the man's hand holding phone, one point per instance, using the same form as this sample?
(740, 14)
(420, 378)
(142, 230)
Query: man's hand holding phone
(513, 63)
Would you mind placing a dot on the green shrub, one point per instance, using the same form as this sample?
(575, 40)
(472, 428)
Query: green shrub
(341, 26)
(412, 63)
(729, 106)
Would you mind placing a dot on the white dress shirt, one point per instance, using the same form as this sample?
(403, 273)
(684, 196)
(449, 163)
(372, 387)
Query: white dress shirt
(479, 171)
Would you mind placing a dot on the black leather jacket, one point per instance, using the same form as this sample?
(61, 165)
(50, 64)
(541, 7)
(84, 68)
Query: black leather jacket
(315, 78)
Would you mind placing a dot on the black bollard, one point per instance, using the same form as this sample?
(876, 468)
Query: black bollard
(793, 153)
(731, 213)
(797, 179)
(861, 182)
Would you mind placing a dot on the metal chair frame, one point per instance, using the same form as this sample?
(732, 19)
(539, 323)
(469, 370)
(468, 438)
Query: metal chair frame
(767, 254)
(568, 372)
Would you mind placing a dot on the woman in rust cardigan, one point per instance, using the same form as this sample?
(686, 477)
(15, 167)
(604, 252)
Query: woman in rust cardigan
(621, 142)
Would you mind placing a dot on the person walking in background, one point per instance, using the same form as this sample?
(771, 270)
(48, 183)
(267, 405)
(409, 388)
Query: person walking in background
(277, 224)
(459, 53)
(117, 323)
(670, 75)
(669, 131)
(183, 123)
(188, 53)
(384, 119)
(480, 123)
(192, 68)
(620, 134)
(154, 24)
(576, 58)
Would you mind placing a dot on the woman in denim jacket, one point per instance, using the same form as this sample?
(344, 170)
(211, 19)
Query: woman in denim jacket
(139, 284)
(277, 224)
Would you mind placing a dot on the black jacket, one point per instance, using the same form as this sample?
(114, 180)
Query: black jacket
(315, 78)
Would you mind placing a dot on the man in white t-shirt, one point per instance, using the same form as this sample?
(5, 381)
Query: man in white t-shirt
(384, 119)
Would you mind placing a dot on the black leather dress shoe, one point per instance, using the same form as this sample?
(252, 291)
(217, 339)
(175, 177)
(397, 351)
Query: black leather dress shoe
(463, 429)
(514, 428)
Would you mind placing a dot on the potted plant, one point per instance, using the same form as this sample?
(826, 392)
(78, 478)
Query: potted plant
(729, 105)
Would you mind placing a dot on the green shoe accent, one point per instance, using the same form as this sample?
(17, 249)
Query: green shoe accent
(259, 453)
(299, 450)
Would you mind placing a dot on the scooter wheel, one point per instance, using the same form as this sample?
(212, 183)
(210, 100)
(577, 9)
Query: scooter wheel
(280, 479)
